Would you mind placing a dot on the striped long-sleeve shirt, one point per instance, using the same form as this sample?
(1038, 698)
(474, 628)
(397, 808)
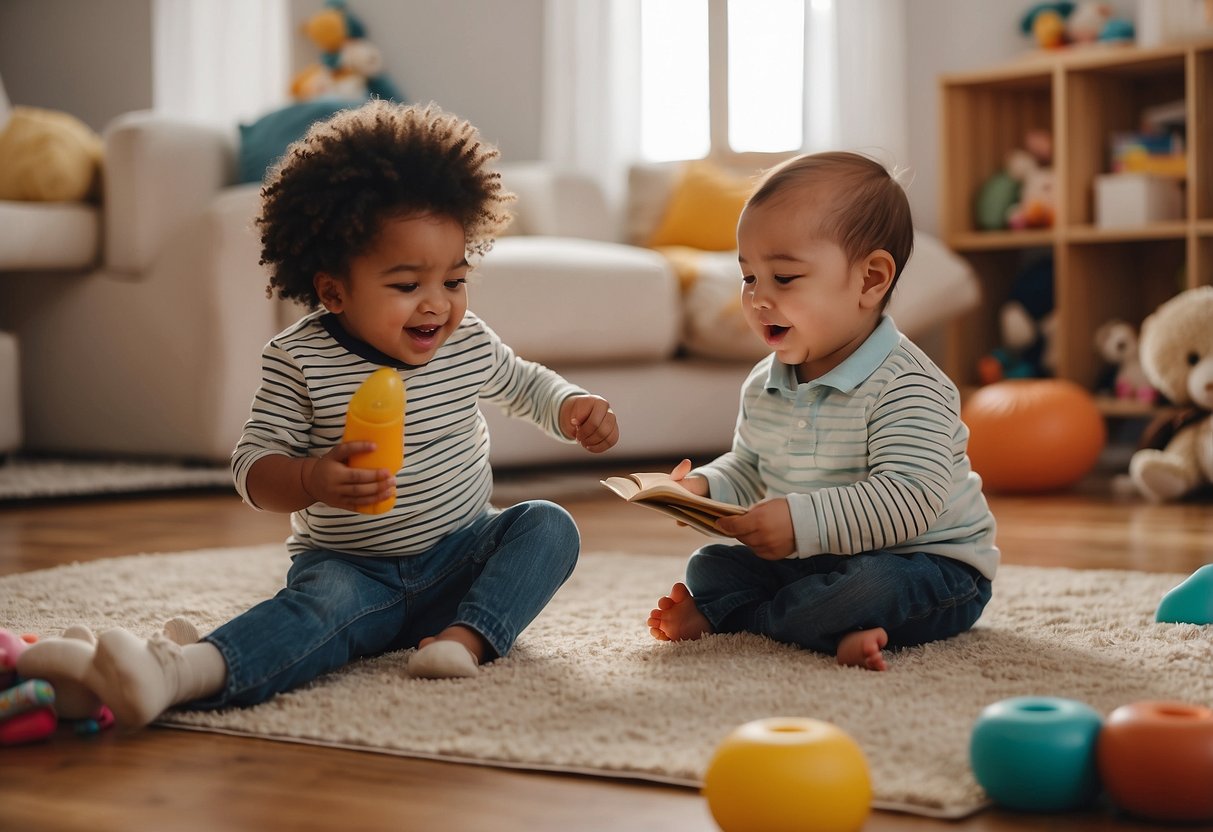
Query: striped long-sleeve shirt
(309, 372)
(870, 456)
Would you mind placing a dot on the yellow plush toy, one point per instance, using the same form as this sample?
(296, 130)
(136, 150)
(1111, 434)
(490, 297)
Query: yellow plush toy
(350, 65)
(48, 156)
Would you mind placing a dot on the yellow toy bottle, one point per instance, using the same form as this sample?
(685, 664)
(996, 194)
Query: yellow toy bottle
(376, 414)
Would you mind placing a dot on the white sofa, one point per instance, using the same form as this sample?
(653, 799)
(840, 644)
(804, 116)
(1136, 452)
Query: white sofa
(155, 352)
(40, 240)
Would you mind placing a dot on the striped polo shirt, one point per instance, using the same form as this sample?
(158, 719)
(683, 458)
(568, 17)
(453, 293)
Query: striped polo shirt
(310, 371)
(870, 456)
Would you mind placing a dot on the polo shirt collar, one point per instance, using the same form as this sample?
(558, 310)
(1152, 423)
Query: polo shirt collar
(852, 372)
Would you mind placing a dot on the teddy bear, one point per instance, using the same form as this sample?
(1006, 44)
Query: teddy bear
(1177, 356)
(1117, 343)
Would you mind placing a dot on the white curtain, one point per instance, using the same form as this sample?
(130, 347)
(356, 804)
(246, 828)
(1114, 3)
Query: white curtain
(591, 95)
(855, 86)
(220, 61)
(869, 80)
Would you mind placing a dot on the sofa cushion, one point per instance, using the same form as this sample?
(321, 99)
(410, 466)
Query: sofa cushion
(48, 156)
(563, 301)
(263, 142)
(703, 210)
(40, 235)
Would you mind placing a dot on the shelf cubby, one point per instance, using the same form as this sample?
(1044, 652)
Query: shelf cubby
(1081, 96)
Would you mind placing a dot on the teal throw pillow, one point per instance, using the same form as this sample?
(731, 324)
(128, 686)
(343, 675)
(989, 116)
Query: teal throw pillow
(263, 142)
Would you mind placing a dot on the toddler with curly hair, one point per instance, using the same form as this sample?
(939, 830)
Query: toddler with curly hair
(369, 220)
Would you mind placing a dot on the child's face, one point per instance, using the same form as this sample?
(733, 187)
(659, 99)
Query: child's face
(408, 292)
(800, 294)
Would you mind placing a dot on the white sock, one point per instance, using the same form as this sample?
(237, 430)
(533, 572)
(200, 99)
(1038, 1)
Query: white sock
(64, 662)
(141, 678)
(443, 660)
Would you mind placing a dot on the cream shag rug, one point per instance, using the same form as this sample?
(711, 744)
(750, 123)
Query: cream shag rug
(586, 689)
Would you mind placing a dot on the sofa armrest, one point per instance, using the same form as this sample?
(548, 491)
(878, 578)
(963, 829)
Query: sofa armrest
(159, 172)
(557, 203)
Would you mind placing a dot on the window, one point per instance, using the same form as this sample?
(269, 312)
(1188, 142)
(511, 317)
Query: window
(723, 77)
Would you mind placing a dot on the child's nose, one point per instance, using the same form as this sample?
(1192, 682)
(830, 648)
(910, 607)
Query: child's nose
(433, 302)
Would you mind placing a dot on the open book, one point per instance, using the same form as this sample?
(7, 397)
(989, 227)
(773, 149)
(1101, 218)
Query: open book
(660, 493)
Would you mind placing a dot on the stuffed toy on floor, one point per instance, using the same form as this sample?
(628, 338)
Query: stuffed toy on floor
(1177, 355)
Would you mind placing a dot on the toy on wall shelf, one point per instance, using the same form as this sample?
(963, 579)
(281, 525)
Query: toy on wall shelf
(1021, 195)
(350, 65)
(1026, 325)
(1177, 356)
(1117, 343)
(1061, 24)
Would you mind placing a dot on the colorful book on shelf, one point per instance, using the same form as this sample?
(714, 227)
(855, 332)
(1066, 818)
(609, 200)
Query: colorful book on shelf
(661, 493)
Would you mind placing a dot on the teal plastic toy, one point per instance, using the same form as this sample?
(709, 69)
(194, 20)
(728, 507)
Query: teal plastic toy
(1037, 753)
(1191, 602)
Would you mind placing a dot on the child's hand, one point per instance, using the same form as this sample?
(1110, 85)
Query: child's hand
(766, 528)
(330, 479)
(589, 420)
(696, 485)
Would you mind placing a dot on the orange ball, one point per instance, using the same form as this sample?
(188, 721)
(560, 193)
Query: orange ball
(1030, 435)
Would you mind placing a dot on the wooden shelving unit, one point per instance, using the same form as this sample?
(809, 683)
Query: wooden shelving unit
(1080, 96)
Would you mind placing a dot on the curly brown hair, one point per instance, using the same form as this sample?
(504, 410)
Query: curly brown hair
(325, 201)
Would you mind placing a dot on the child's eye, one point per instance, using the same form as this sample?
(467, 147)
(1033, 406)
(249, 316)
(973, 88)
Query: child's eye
(405, 287)
(785, 279)
(747, 279)
(456, 283)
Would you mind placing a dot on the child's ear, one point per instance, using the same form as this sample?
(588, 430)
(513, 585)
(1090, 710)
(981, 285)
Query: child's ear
(878, 272)
(330, 290)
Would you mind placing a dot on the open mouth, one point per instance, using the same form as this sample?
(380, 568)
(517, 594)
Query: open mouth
(775, 333)
(424, 334)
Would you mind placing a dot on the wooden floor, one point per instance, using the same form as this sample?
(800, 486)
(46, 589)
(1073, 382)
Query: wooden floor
(163, 779)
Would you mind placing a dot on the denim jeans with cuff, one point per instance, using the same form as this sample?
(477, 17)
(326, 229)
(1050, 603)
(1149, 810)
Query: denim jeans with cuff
(493, 576)
(814, 602)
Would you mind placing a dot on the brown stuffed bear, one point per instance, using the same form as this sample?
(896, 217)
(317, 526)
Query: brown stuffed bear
(1177, 355)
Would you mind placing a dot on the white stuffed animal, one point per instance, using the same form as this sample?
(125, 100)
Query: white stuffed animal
(1177, 355)
(1117, 343)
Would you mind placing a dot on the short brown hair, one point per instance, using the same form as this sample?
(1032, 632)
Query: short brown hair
(870, 209)
(326, 200)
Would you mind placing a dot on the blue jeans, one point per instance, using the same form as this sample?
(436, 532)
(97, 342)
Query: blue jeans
(493, 576)
(814, 602)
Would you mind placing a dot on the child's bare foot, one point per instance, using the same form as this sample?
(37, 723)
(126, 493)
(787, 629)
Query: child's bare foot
(862, 649)
(455, 652)
(677, 618)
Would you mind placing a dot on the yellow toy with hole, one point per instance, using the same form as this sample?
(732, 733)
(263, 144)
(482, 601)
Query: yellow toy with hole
(788, 774)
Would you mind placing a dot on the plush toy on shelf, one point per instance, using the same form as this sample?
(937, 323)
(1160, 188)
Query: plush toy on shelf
(1021, 195)
(1060, 24)
(1026, 325)
(1177, 355)
(350, 65)
(1117, 344)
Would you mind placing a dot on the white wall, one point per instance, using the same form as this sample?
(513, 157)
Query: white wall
(91, 59)
(480, 59)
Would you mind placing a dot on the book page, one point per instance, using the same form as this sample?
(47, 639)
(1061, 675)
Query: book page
(703, 523)
(660, 493)
(660, 486)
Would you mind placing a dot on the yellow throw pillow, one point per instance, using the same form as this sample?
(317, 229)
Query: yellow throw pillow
(48, 156)
(703, 209)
